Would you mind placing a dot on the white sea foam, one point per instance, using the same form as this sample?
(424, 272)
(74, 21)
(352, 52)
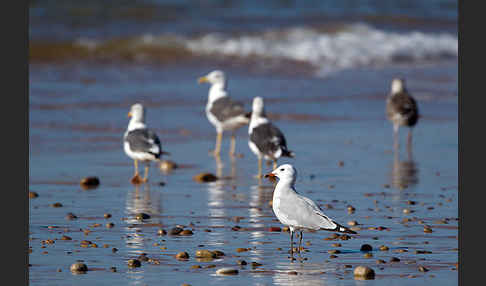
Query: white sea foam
(355, 46)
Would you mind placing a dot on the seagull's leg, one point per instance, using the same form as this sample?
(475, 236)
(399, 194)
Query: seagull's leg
(232, 144)
(409, 140)
(146, 172)
(300, 241)
(395, 135)
(219, 138)
(291, 245)
(275, 164)
(259, 175)
(136, 176)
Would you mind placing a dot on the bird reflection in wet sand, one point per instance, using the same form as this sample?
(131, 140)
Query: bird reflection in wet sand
(141, 200)
(404, 173)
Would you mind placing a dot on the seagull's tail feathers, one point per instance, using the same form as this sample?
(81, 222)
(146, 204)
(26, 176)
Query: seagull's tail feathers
(340, 228)
(288, 153)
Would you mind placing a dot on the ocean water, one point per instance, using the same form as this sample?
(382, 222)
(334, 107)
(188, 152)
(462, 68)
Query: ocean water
(323, 69)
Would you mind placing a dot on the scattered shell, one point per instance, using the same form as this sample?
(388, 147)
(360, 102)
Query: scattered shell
(227, 271)
(363, 272)
(79, 267)
(182, 256)
(134, 263)
(89, 182)
(33, 195)
(205, 178)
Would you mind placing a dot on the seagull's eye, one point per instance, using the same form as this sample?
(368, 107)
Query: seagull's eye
(282, 169)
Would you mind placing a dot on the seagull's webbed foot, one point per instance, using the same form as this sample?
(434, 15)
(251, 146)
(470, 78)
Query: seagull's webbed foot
(136, 180)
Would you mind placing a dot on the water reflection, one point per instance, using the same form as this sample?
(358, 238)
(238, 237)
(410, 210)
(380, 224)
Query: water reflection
(404, 173)
(308, 274)
(140, 200)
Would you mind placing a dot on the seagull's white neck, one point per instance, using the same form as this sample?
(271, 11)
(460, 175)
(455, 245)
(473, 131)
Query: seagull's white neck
(284, 185)
(135, 124)
(257, 119)
(216, 91)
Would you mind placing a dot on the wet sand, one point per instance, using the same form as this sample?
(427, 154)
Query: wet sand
(337, 128)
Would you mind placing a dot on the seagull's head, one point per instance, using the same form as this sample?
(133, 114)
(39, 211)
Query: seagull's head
(397, 85)
(137, 113)
(257, 107)
(214, 77)
(284, 172)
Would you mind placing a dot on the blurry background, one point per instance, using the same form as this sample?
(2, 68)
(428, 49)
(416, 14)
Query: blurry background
(324, 69)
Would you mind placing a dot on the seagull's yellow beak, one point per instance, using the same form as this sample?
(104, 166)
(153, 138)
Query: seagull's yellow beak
(129, 114)
(202, 79)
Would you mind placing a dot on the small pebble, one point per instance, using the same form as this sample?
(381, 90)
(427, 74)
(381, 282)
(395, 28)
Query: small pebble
(107, 215)
(241, 249)
(196, 266)
(65, 237)
(241, 262)
(380, 261)
(142, 216)
(110, 225)
(363, 272)
(182, 256)
(113, 269)
(427, 229)
(203, 253)
(167, 166)
(227, 271)
(255, 264)
(33, 195)
(71, 216)
(422, 269)
(275, 228)
(56, 205)
(366, 247)
(205, 178)
(352, 223)
(79, 268)
(292, 273)
(161, 232)
(334, 251)
(218, 253)
(384, 248)
(134, 263)
(175, 231)
(351, 209)
(336, 244)
(394, 259)
(89, 182)
(368, 255)
(186, 232)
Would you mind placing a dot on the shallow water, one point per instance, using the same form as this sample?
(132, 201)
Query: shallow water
(77, 119)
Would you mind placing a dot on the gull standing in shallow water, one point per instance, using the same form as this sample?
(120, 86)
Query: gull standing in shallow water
(266, 140)
(222, 112)
(298, 212)
(141, 143)
(401, 110)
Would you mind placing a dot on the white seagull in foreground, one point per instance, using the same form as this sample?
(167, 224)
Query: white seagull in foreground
(296, 211)
(401, 109)
(222, 112)
(141, 143)
(266, 140)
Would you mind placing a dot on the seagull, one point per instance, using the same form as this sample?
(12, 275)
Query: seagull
(222, 111)
(298, 212)
(401, 109)
(266, 140)
(141, 143)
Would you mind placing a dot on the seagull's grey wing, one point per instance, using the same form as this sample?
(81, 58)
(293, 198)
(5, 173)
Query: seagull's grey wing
(268, 138)
(404, 104)
(144, 140)
(224, 108)
(299, 211)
